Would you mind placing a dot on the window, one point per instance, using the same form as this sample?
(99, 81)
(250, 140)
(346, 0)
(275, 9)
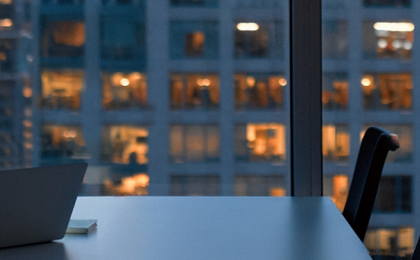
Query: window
(194, 3)
(404, 154)
(64, 39)
(335, 39)
(387, 3)
(388, 243)
(124, 90)
(335, 91)
(61, 142)
(392, 40)
(194, 39)
(123, 38)
(259, 91)
(394, 195)
(251, 4)
(387, 91)
(191, 185)
(7, 55)
(260, 142)
(335, 142)
(262, 39)
(124, 144)
(61, 89)
(259, 185)
(6, 15)
(194, 143)
(337, 188)
(194, 91)
(136, 185)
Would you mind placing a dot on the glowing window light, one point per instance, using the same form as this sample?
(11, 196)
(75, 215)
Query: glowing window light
(397, 44)
(282, 82)
(366, 82)
(394, 27)
(124, 82)
(382, 43)
(6, 22)
(203, 82)
(70, 134)
(247, 27)
(250, 81)
(408, 45)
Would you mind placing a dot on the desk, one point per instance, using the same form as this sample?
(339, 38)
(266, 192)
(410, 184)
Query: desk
(218, 228)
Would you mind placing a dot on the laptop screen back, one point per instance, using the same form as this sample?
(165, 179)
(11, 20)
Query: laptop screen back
(36, 203)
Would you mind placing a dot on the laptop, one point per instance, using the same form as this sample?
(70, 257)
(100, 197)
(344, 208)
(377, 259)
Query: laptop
(36, 203)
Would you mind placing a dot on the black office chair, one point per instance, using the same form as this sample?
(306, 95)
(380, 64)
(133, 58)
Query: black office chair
(416, 253)
(372, 154)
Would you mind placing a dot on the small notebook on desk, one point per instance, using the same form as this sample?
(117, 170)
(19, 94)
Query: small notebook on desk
(81, 226)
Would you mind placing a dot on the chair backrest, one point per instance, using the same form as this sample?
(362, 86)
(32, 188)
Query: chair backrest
(372, 154)
(416, 253)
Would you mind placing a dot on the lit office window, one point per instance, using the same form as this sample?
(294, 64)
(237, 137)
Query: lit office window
(259, 185)
(194, 91)
(387, 3)
(337, 188)
(335, 142)
(335, 35)
(390, 39)
(124, 144)
(394, 195)
(7, 55)
(335, 91)
(405, 133)
(194, 3)
(259, 91)
(64, 39)
(388, 243)
(192, 185)
(62, 141)
(194, 39)
(122, 38)
(387, 91)
(61, 89)
(259, 39)
(135, 185)
(260, 142)
(6, 15)
(124, 90)
(194, 143)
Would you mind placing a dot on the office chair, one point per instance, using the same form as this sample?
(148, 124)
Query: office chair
(416, 253)
(370, 161)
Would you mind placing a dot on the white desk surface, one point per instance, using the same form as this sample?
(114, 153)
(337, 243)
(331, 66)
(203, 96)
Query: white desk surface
(195, 228)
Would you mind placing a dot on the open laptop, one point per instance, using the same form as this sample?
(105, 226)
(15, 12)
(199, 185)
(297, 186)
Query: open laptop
(36, 203)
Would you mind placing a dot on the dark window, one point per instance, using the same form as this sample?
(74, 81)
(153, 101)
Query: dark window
(335, 39)
(7, 55)
(388, 3)
(194, 3)
(190, 185)
(64, 39)
(394, 194)
(259, 185)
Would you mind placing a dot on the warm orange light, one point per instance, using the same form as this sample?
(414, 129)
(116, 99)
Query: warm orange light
(250, 81)
(203, 82)
(366, 82)
(124, 82)
(70, 134)
(277, 192)
(27, 92)
(282, 82)
(27, 123)
(141, 180)
(6, 22)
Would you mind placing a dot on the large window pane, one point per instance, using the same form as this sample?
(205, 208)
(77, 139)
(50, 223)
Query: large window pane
(256, 185)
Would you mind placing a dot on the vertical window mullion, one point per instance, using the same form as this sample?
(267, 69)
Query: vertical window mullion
(305, 102)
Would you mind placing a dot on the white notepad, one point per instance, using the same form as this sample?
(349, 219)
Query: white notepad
(81, 226)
